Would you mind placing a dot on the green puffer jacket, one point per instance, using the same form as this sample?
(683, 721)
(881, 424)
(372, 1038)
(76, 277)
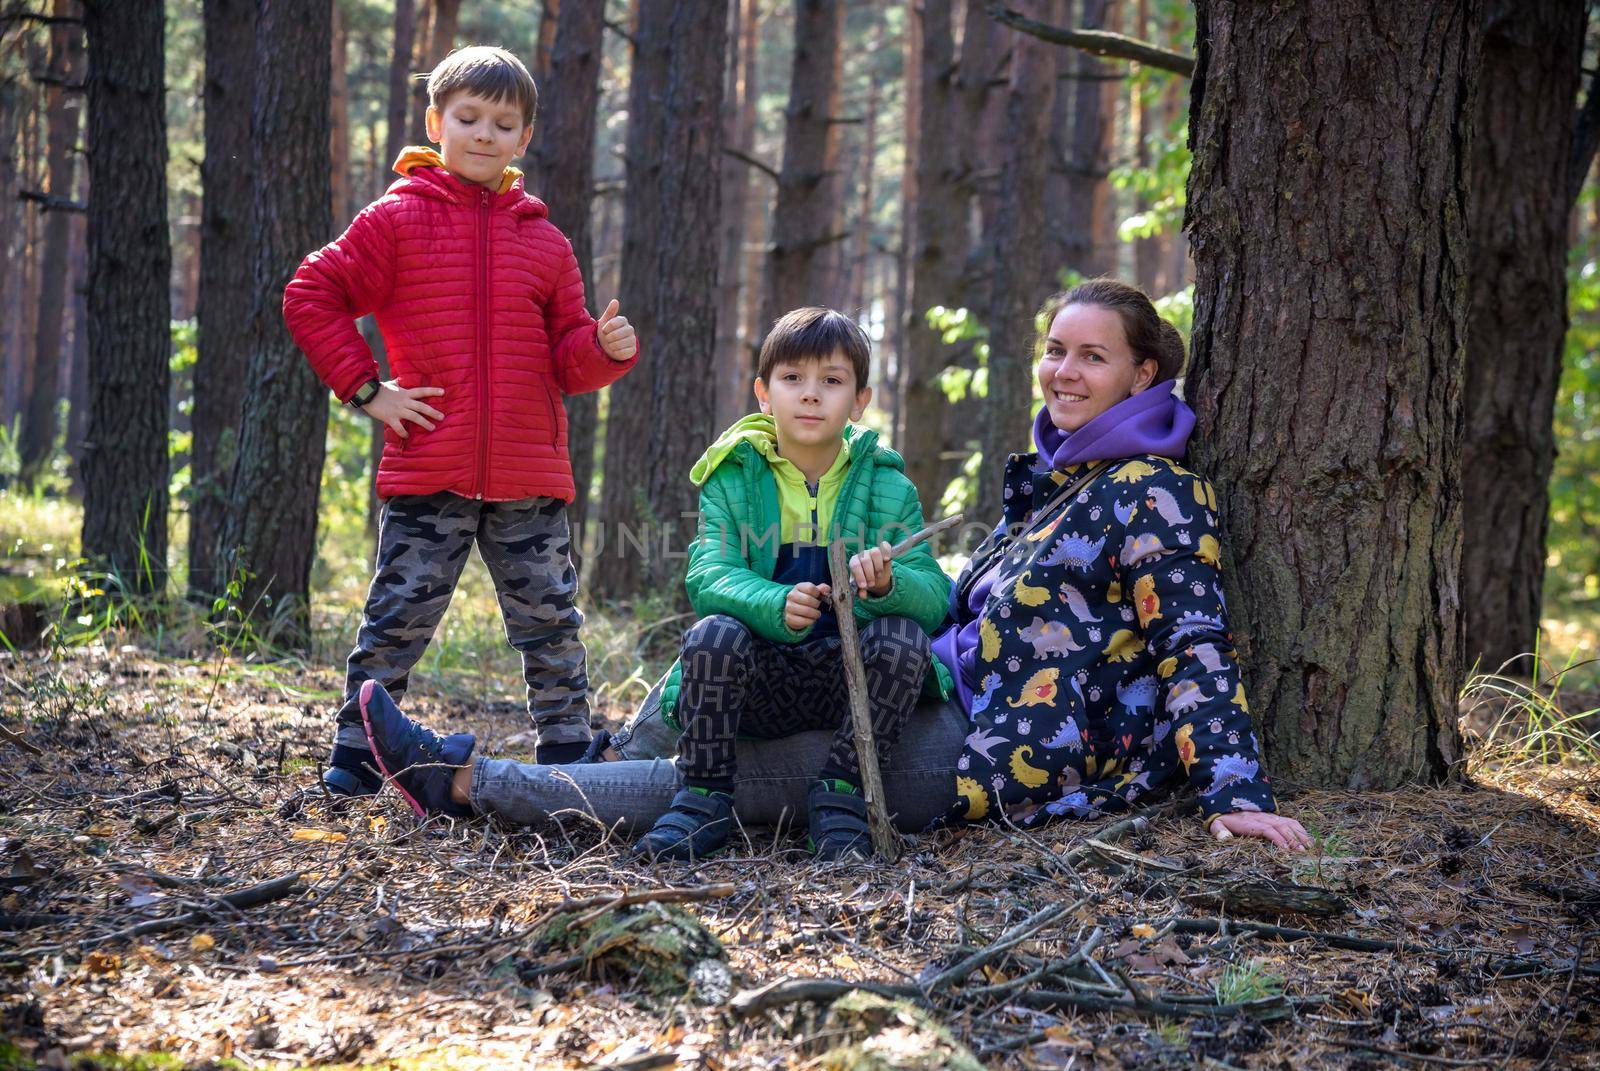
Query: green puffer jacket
(732, 561)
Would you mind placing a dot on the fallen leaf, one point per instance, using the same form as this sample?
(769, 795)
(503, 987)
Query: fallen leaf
(202, 942)
(317, 834)
(1143, 929)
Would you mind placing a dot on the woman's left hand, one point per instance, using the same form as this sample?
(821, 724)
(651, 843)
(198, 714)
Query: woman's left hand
(1284, 832)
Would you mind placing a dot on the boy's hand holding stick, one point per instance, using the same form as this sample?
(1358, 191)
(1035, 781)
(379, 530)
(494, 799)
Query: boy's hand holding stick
(884, 840)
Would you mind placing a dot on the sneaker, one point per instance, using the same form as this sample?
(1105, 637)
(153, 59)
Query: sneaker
(596, 750)
(560, 754)
(837, 820)
(351, 772)
(412, 757)
(695, 826)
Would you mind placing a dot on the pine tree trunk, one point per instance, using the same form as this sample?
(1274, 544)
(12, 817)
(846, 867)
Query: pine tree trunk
(13, 103)
(739, 123)
(28, 322)
(271, 527)
(549, 18)
(1017, 268)
(1327, 368)
(1532, 55)
(564, 162)
(1080, 194)
(125, 463)
(339, 120)
(661, 414)
(422, 63)
(938, 249)
(77, 389)
(1149, 258)
(62, 107)
(225, 284)
(806, 218)
(401, 51)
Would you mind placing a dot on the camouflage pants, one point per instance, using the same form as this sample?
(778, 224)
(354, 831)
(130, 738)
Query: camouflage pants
(423, 543)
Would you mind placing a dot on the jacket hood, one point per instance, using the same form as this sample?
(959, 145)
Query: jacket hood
(424, 172)
(761, 432)
(1154, 421)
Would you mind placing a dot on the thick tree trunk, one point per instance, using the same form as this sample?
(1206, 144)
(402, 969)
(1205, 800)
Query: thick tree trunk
(564, 163)
(1532, 55)
(549, 18)
(125, 461)
(806, 218)
(739, 128)
(62, 107)
(1149, 256)
(225, 284)
(271, 527)
(1017, 269)
(861, 248)
(13, 104)
(1328, 367)
(661, 414)
(422, 63)
(77, 388)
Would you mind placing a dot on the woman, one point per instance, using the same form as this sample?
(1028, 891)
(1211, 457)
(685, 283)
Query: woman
(1089, 639)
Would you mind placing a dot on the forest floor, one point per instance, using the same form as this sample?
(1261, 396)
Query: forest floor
(162, 784)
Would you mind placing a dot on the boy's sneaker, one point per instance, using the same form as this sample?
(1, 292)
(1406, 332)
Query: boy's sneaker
(351, 771)
(560, 754)
(415, 759)
(837, 817)
(695, 826)
(596, 750)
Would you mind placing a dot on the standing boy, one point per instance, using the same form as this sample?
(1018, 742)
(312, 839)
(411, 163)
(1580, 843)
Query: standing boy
(481, 307)
(764, 658)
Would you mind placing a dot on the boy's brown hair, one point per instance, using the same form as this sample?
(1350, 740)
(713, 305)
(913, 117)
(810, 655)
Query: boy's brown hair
(813, 333)
(487, 72)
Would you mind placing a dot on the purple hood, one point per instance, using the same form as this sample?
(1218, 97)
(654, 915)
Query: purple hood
(1150, 422)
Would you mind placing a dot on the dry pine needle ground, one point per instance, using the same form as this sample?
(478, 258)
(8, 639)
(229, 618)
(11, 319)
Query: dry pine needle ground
(143, 838)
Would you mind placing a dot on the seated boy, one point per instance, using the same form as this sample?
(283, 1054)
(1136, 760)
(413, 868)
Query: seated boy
(763, 660)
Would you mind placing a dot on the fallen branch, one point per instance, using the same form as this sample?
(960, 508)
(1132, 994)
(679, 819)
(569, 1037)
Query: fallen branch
(17, 739)
(1003, 944)
(884, 839)
(610, 901)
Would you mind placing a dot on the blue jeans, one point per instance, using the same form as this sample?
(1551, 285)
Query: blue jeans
(769, 787)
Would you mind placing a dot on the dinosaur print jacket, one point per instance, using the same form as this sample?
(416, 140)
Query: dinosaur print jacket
(1105, 666)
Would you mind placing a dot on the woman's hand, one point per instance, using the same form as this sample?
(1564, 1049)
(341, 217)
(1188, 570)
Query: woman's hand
(1284, 832)
(804, 605)
(394, 405)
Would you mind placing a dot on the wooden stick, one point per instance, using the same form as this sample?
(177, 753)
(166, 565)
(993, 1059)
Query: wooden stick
(884, 840)
(926, 534)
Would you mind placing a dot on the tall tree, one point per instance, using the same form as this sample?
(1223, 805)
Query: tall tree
(1327, 367)
(1019, 220)
(669, 273)
(271, 526)
(62, 108)
(1522, 195)
(563, 160)
(223, 344)
(1078, 201)
(14, 106)
(125, 465)
(806, 218)
(339, 117)
(939, 245)
(739, 130)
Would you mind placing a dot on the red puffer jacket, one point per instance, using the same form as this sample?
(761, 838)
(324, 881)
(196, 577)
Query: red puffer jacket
(475, 292)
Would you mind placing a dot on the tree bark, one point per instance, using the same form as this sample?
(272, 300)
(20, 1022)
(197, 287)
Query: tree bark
(1521, 200)
(62, 106)
(225, 283)
(271, 527)
(13, 106)
(564, 164)
(938, 249)
(339, 119)
(1328, 365)
(806, 217)
(125, 463)
(1080, 196)
(422, 63)
(549, 18)
(401, 51)
(661, 414)
(739, 121)
(1017, 267)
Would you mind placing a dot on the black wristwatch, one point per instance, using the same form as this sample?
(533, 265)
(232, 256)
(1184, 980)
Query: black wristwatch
(364, 394)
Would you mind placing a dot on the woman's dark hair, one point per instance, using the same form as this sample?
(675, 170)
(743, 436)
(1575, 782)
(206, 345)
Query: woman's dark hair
(1149, 336)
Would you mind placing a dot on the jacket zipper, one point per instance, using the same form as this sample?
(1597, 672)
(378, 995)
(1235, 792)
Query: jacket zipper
(483, 344)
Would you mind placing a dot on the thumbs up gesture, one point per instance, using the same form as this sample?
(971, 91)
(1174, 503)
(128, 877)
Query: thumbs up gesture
(615, 334)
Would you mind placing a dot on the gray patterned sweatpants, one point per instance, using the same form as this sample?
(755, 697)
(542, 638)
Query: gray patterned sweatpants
(423, 543)
(736, 684)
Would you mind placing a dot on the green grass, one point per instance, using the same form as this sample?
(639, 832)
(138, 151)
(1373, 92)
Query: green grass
(1537, 721)
(1241, 982)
